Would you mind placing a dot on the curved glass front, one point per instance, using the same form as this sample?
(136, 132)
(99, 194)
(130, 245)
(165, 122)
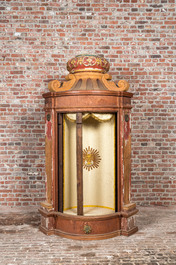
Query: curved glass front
(98, 152)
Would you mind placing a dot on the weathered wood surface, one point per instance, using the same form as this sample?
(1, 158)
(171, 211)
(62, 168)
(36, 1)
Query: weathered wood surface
(79, 164)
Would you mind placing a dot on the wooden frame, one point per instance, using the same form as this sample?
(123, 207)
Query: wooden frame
(79, 164)
(59, 182)
(53, 218)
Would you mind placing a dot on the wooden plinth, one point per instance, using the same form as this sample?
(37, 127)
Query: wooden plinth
(75, 227)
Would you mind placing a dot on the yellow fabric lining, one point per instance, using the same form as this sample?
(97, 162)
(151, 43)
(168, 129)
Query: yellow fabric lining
(98, 206)
(97, 116)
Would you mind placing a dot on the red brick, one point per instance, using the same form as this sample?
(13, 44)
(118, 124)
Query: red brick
(137, 39)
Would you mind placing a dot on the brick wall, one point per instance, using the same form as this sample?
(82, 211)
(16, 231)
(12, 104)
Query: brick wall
(38, 37)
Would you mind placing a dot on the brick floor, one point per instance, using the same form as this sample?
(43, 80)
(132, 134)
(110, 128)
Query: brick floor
(155, 243)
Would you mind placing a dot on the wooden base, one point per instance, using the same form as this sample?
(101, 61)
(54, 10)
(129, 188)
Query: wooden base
(87, 227)
(88, 237)
(129, 232)
(80, 237)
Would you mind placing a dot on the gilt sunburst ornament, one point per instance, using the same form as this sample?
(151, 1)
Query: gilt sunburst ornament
(91, 158)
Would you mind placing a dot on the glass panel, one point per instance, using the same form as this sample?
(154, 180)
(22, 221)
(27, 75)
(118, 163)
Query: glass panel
(98, 164)
(69, 166)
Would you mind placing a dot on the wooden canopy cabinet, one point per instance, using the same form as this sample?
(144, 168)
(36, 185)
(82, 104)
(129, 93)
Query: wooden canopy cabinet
(88, 154)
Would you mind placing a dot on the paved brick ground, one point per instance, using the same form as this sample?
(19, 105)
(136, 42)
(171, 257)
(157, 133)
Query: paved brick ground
(155, 243)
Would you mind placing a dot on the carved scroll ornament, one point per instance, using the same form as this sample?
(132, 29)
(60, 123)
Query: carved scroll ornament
(122, 84)
(89, 71)
(56, 86)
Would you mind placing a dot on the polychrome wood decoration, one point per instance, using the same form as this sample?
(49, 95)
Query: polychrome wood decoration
(88, 154)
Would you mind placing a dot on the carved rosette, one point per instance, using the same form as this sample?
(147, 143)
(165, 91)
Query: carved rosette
(88, 63)
(88, 72)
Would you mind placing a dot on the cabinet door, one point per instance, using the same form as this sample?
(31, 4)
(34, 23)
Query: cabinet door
(99, 163)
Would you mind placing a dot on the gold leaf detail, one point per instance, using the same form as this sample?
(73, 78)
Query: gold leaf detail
(91, 158)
